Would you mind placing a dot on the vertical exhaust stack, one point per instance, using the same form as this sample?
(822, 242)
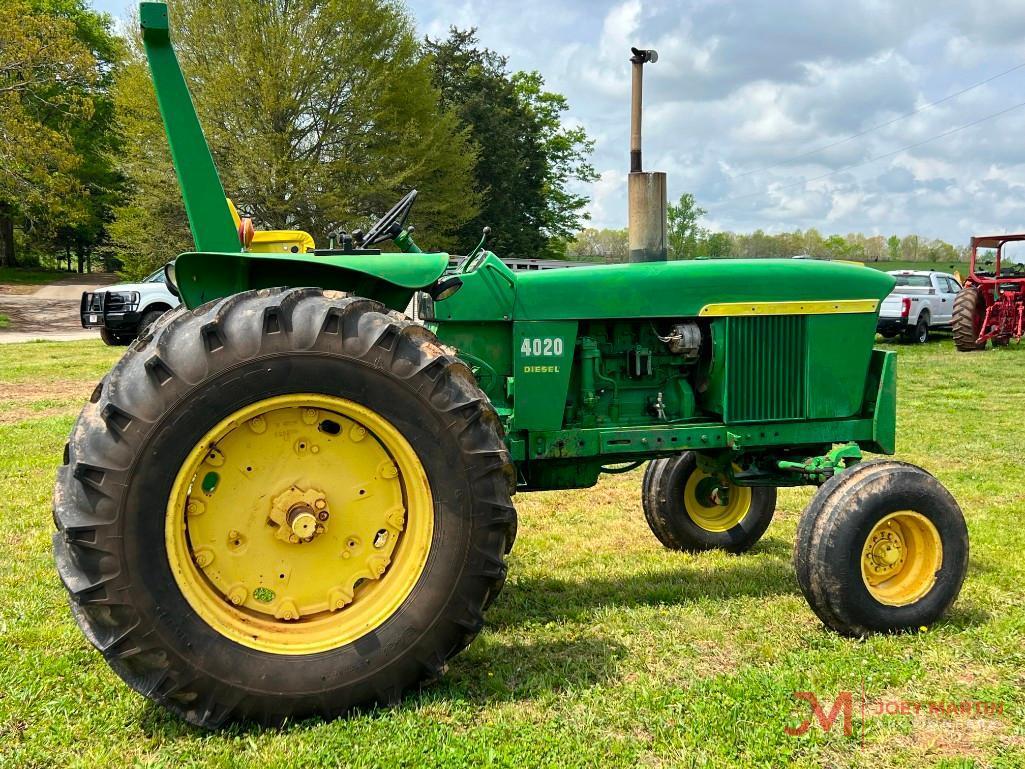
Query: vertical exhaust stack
(646, 191)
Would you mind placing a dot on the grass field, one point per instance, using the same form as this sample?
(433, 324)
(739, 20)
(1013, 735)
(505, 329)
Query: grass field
(30, 275)
(604, 649)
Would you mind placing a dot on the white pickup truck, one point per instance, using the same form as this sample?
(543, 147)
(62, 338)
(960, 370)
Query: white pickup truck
(123, 310)
(921, 301)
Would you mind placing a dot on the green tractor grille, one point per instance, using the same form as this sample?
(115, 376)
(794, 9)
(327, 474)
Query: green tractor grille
(766, 368)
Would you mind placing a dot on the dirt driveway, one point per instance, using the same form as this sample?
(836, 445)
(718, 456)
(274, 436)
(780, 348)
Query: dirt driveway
(50, 312)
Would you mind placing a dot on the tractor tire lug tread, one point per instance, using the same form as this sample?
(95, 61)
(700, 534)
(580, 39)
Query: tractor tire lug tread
(185, 349)
(966, 310)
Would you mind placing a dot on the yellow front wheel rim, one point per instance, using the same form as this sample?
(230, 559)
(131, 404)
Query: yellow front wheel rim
(901, 557)
(299, 523)
(706, 506)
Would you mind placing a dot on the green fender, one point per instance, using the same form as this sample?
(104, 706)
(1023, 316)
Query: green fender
(391, 279)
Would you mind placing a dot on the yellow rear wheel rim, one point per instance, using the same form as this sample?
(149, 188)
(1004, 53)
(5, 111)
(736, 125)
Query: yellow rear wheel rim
(705, 506)
(299, 524)
(901, 557)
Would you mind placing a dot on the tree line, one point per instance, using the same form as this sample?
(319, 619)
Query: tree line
(319, 114)
(686, 239)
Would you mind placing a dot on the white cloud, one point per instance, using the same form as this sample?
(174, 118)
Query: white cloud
(743, 89)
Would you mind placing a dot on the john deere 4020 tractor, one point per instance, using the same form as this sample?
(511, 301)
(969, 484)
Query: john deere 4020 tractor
(290, 499)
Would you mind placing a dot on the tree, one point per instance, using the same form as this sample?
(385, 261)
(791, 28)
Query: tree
(600, 245)
(320, 115)
(527, 160)
(565, 150)
(97, 141)
(893, 247)
(814, 244)
(52, 71)
(719, 246)
(875, 248)
(682, 230)
(909, 248)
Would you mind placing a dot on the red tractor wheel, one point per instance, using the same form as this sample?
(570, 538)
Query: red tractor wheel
(969, 312)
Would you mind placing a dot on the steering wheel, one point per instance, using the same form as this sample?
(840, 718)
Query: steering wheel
(391, 224)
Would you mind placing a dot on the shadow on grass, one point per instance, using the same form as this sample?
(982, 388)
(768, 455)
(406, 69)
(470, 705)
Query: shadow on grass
(500, 670)
(496, 670)
(550, 599)
(965, 614)
(488, 671)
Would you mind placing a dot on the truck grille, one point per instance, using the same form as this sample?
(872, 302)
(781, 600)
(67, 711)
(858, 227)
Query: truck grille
(766, 368)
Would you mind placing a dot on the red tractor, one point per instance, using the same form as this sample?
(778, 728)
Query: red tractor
(992, 303)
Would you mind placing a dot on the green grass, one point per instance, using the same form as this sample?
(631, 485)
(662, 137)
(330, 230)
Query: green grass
(30, 275)
(604, 649)
(4, 321)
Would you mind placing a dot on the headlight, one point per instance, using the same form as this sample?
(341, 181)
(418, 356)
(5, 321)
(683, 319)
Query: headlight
(122, 301)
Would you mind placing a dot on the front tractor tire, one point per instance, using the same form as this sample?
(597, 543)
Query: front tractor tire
(687, 509)
(883, 547)
(285, 503)
(968, 315)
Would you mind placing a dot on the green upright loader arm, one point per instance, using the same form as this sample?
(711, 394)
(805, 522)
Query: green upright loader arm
(213, 228)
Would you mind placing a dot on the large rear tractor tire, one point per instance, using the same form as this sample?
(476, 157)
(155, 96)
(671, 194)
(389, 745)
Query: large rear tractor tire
(882, 547)
(687, 509)
(969, 312)
(283, 504)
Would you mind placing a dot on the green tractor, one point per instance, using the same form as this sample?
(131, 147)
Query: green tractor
(289, 499)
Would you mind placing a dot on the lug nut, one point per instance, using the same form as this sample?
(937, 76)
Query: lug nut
(204, 558)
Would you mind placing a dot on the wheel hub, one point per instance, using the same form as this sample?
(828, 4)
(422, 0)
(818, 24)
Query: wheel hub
(901, 557)
(296, 512)
(299, 515)
(885, 552)
(713, 505)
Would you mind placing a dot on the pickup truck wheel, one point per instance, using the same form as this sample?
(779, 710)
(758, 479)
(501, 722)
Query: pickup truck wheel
(920, 333)
(115, 340)
(882, 547)
(148, 319)
(687, 510)
(969, 312)
(283, 504)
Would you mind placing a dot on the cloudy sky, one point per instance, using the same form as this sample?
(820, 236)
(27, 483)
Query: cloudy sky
(751, 104)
